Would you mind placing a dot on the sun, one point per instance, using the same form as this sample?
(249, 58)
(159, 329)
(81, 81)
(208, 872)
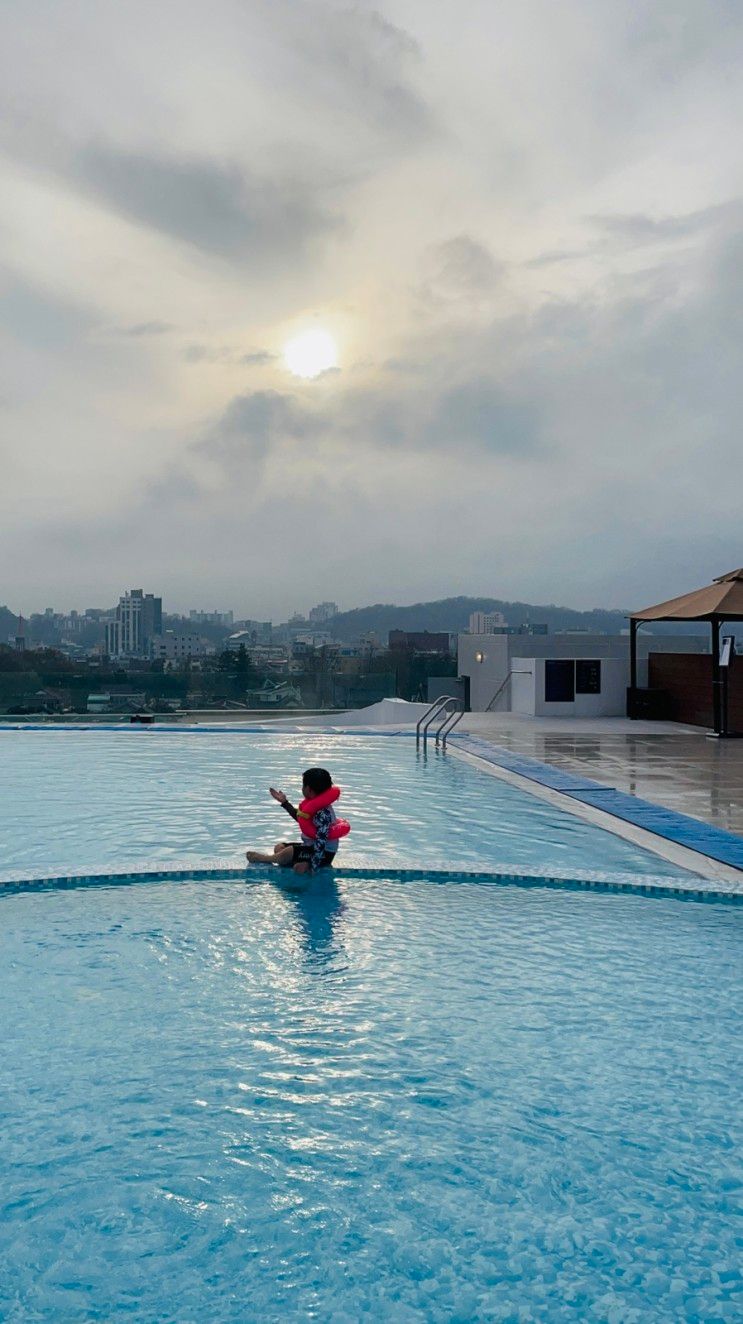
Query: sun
(311, 353)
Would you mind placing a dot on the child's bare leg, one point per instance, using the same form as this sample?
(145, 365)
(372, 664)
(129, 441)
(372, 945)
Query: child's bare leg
(282, 854)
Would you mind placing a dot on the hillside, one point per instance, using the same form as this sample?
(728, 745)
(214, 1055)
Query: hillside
(453, 614)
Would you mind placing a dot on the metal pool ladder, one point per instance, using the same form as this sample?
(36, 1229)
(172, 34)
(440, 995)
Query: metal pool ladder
(439, 708)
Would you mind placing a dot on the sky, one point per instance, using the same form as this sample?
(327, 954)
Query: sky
(519, 220)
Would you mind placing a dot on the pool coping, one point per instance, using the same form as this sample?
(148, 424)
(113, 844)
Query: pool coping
(688, 842)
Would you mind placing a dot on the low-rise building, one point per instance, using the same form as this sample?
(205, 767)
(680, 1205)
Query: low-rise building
(223, 618)
(491, 665)
(275, 694)
(117, 699)
(306, 641)
(484, 622)
(176, 645)
(252, 632)
(421, 641)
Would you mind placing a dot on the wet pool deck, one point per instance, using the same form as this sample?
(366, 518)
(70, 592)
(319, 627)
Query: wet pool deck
(678, 767)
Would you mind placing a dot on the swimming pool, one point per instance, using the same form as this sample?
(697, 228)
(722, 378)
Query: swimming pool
(369, 1100)
(76, 801)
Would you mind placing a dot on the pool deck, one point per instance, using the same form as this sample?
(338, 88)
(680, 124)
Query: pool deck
(679, 767)
(668, 788)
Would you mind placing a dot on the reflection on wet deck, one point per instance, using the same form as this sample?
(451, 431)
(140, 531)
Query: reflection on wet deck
(675, 766)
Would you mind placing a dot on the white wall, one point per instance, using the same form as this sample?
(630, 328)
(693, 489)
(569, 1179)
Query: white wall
(500, 652)
(484, 658)
(524, 686)
(528, 691)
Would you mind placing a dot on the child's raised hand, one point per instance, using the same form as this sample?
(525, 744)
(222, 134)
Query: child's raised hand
(277, 795)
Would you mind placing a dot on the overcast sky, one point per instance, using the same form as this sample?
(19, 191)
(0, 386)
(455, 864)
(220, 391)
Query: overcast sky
(520, 220)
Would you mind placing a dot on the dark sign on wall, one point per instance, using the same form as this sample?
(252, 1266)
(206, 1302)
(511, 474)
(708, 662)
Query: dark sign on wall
(587, 676)
(559, 681)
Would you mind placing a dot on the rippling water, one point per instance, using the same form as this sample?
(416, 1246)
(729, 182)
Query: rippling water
(368, 1100)
(80, 801)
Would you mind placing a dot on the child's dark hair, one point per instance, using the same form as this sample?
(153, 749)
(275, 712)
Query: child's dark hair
(318, 780)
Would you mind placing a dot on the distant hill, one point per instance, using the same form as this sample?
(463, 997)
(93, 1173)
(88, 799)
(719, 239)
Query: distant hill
(453, 614)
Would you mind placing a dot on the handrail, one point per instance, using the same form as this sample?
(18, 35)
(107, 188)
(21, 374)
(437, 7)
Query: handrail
(441, 707)
(430, 716)
(430, 712)
(447, 715)
(456, 719)
(502, 686)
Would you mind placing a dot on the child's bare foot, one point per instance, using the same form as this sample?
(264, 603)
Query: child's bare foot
(254, 857)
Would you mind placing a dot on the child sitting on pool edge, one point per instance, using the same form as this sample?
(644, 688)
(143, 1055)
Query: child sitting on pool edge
(318, 823)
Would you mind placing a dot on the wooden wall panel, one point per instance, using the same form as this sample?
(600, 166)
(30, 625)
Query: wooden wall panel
(687, 677)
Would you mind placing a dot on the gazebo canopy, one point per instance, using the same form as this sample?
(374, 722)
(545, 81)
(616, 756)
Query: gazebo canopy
(720, 600)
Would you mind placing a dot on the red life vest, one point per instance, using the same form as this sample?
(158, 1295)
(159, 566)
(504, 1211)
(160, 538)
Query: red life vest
(340, 828)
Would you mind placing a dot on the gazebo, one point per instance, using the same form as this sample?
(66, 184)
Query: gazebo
(720, 601)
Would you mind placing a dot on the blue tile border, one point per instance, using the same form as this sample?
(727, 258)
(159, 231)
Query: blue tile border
(714, 842)
(694, 889)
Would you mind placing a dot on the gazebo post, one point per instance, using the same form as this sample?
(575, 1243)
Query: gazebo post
(633, 666)
(716, 678)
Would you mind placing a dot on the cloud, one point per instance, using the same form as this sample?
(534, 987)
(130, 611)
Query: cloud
(637, 229)
(219, 208)
(39, 317)
(205, 354)
(153, 328)
(199, 353)
(460, 273)
(356, 60)
(413, 413)
(483, 415)
(620, 232)
(257, 358)
(251, 425)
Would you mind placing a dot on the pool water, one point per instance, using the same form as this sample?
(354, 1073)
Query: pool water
(369, 1100)
(79, 801)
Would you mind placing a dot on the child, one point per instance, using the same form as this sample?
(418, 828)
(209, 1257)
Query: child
(319, 842)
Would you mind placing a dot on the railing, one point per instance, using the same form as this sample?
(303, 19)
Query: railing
(502, 686)
(448, 726)
(436, 709)
(451, 717)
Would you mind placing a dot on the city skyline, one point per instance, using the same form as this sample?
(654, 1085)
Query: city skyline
(370, 302)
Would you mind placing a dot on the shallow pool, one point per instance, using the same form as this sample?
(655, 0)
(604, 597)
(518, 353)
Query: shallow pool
(370, 1100)
(76, 801)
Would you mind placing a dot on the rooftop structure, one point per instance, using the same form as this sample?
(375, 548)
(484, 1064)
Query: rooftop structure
(720, 601)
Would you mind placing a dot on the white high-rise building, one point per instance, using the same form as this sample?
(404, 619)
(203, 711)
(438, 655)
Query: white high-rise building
(113, 638)
(323, 612)
(139, 617)
(486, 622)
